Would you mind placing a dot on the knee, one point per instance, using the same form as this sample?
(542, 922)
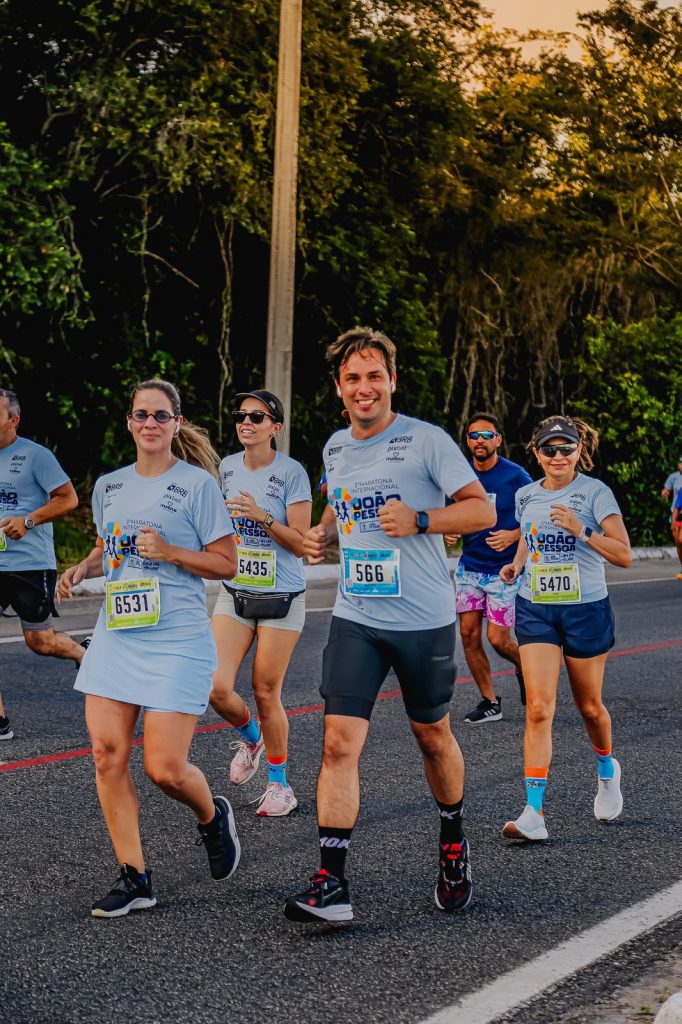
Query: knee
(591, 710)
(471, 636)
(221, 692)
(39, 643)
(339, 749)
(167, 775)
(434, 740)
(266, 692)
(539, 712)
(110, 757)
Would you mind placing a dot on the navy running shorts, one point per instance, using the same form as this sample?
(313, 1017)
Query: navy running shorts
(583, 630)
(358, 658)
(30, 592)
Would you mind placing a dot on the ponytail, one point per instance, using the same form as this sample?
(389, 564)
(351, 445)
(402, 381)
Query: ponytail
(193, 445)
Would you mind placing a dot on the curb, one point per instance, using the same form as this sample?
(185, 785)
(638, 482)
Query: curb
(329, 573)
(671, 1011)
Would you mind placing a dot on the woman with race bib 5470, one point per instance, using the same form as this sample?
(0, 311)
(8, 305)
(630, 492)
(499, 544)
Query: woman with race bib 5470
(570, 523)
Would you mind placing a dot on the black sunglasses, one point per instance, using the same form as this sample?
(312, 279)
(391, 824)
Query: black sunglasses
(487, 435)
(162, 416)
(550, 450)
(256, 417)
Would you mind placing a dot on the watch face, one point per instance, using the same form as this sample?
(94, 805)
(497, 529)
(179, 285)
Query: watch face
(28, 523)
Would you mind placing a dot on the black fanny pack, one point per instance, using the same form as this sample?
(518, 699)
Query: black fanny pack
(261, 606)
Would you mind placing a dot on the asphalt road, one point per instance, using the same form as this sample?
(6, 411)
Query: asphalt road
(219, 953)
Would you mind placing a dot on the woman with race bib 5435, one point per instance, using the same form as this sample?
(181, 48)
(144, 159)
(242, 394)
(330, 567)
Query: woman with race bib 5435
(268, 496)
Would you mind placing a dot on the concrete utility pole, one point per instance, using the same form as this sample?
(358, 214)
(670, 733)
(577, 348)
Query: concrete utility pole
(278, 362)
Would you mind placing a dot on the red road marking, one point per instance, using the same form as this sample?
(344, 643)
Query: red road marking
(67, 755)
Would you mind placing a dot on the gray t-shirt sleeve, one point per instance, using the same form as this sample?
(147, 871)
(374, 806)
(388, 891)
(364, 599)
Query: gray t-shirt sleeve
(211, 519)
(604, 503)
(47, 471)
(669, 483)
(297, 485)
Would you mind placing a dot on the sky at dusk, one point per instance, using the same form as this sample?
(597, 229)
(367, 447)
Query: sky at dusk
(558, 15)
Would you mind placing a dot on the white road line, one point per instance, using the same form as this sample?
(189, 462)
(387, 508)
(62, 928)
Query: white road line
(512, 990)
(650, 579)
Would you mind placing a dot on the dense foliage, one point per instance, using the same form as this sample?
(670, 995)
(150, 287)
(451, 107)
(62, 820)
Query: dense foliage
(512, 221)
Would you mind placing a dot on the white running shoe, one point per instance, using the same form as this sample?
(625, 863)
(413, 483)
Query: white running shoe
(276, 801)
(528, 825)
(244, 764)
(608, 803)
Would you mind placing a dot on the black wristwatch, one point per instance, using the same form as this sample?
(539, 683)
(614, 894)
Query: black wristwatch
(422, 522)
(29, 523)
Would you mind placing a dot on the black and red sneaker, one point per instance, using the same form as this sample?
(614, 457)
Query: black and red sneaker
(327, 899)
(454, 889)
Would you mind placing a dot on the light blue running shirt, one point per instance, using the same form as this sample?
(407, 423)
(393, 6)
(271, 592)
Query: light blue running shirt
(592, 501)
(419, 464)
(186, 507)
(28, 474)
(282, 483)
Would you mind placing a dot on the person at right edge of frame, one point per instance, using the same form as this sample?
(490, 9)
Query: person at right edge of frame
(570, 524)
(388, 478)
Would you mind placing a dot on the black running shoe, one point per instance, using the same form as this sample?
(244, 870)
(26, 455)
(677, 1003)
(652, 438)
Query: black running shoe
(522, 688)
(221, 841)
(128, 893)
(327, 899)
(485, 711)
(454, 889)
(6, 731)
(85, 643)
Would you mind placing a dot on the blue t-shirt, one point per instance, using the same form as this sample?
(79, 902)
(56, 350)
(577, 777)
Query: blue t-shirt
(591, 501)
(678, 500)
(28, 475)
(500, 484)
(419, 464)
(186, 507)
(282, 483)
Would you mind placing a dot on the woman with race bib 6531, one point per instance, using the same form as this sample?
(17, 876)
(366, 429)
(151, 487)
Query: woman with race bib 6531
(268, 495)
(161, 526)
(570, 523)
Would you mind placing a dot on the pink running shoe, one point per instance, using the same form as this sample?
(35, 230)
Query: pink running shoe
(276, 801)
(245, 762)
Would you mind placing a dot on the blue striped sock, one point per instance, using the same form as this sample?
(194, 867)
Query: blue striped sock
(536, 780)
(249, 730)
(277, 770)
(605, 768)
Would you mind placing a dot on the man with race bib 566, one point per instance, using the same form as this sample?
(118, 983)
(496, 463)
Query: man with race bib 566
(388, 478)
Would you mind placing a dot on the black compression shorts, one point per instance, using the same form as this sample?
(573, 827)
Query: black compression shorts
(358, 658)
(31, 593)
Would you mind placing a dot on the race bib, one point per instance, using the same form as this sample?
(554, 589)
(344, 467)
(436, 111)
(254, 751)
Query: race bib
(3, 541)
(255, 568)
(371, 573)
(132, 604)
(552, 584)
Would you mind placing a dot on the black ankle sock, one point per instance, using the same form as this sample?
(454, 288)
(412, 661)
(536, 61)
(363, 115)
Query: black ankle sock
(3, 722)
(334, 844)
(451, 822)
